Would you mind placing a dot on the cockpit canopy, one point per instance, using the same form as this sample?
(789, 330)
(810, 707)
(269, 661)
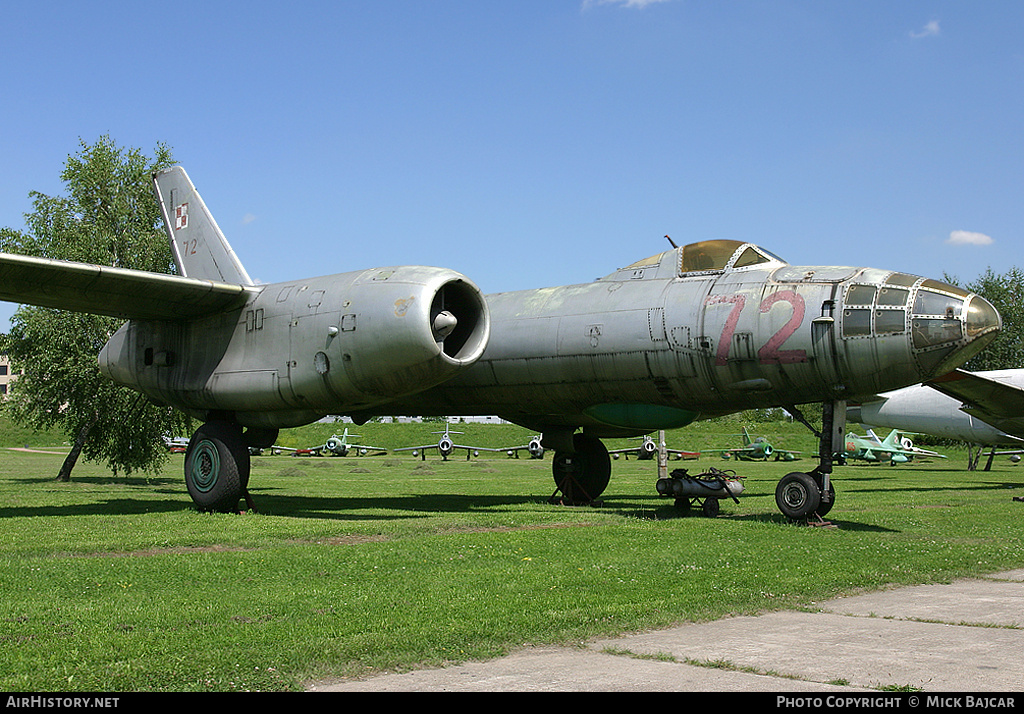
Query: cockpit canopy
(721, 254)
(709, 256)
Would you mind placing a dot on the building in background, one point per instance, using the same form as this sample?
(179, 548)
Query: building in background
(6, 375)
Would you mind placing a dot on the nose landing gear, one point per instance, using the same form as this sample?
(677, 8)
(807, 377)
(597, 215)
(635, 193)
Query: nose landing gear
(810, 496)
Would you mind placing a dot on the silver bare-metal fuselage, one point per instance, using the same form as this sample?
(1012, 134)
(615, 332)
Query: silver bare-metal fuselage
(299, 350)
(652, 346)
(655, 346)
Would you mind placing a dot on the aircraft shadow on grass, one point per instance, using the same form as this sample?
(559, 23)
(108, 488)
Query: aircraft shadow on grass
(108, 507)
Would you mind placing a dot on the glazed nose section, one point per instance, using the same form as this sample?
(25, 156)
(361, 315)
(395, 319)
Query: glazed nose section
(983, 320)
(949, 326)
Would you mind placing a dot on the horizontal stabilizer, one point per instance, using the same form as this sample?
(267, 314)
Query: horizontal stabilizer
(115, 292)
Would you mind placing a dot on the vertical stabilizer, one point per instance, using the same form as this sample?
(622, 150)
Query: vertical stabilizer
(200, 249)
(893, 440)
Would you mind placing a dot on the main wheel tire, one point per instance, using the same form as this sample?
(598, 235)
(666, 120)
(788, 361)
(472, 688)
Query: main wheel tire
(217, 467)
(583, 475)
(797, 495)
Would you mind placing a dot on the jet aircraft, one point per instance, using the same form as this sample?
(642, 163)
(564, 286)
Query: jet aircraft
(176, 444)
(445, 446)
(648, 449)
(340, 446)
(757, 449)
(533, 448)
(896, 448)
(701, 330)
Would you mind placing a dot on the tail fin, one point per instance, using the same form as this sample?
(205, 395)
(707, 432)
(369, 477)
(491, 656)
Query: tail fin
(200, 249)
(892, 440)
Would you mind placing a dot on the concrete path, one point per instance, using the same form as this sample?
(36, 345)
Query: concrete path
(967, 636)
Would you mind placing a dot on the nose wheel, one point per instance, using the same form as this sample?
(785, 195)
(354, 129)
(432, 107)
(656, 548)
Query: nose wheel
(800, 496)
(803, 496)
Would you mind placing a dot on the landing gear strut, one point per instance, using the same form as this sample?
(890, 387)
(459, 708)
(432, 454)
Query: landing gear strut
(801, 496)
(581, 474)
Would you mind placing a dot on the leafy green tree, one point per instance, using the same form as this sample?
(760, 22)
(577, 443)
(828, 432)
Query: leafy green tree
(1006, 293)
(108, 217)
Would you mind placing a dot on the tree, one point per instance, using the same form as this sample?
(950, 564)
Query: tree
(108, 217)
(1006, 293)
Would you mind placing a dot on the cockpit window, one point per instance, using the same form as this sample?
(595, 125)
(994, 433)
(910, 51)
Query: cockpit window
(902, 279)
(936, 285)
(646, 262)
(750, 257)
(704, 257)
(929, 303)
(713, 255)
(708, 255)
(860, 294)
(893, 296)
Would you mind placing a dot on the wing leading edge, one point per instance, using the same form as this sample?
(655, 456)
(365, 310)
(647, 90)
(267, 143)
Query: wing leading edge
(115, 292)
(993, 401)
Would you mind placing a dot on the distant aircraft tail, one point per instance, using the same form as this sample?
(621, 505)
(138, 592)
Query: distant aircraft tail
(893, 440)
(200, 249)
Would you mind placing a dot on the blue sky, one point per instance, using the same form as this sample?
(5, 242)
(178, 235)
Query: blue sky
(529, 143)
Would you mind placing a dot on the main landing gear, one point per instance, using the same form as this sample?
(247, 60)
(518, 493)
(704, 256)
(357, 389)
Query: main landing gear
(581, 468)
(217, 465)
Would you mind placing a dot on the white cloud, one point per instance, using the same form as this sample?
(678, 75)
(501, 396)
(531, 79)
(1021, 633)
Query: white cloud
(587, 4)
(968, 238)
(929, 30)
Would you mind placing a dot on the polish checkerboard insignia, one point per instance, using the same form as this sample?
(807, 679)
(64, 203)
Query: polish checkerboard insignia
(181, 216)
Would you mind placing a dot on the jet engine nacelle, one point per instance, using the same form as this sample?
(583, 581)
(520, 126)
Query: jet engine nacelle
(297, 351)
(398, 331)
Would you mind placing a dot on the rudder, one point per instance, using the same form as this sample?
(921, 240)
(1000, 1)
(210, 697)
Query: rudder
(199, 247)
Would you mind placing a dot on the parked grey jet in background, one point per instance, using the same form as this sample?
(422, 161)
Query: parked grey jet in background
(984, 408)
(980, 408)
(705, 329)
(445, 446)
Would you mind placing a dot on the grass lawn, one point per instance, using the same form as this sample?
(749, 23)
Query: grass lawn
(364, 564)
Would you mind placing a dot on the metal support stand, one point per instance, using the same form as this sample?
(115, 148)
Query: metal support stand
(662, 455)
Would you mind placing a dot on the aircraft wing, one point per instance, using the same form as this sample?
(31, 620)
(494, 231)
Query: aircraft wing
(994, 402)
(367, 447)
(417, 448)
(473, 448)
(115, 292)
(363, 449)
